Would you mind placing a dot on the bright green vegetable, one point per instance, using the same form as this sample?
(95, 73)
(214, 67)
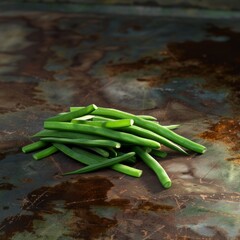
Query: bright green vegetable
(155, 166)
(34, 146)
(155, 127)
(151, 135)
(92, 123)
(112, 152)
(118, 123)
(172, 127)
(65, 134)
(45, 153)
(85, 117)
(107, 124)
(103, 164)
(147, 117)
(158, 153)
(69, 116)
(84, 142)
(105, 132)
(99, 118)
(101, 132)
(88, 158)
(99, 151)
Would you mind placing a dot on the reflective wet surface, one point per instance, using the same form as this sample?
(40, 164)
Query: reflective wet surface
(181, 70)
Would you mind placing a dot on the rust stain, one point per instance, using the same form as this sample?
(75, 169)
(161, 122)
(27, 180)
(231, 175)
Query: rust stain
(47, 33)
(149, 206)
(6, 186)
(78, 196)
(143, 63)
(218, 61)
(215, 61)
(235, 160)
(225, 130)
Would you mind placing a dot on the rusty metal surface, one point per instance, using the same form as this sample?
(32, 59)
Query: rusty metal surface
(182, 71)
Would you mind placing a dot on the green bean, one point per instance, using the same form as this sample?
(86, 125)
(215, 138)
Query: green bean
(151, 135)
(69, 116)
(103, 164)
(147, 117)
(172, 127)
(112, 152)
(105, 132)
(134, 172)
(62, 113)
(155, 166)
(85, 117)
(82, 158)
(65, 134)
(131, 160)
(155, 127)
(107, 124)
(34, 146)
(88, 158)
(118, 123)
(92, 123)
(84, 142)
(99, 151)
(99, 118)
(45, 153)
(158, 153)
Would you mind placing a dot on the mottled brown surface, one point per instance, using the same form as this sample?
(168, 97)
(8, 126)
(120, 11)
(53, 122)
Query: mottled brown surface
(182, 71)
(6, 186)
(226, 130)
(217, 61)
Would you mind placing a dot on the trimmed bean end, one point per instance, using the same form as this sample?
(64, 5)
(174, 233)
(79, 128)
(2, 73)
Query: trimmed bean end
(167, 184)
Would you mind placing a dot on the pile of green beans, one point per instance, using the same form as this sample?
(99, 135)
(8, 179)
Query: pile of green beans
(109, 138)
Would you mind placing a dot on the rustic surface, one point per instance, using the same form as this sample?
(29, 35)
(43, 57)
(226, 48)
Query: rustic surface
(183, 71)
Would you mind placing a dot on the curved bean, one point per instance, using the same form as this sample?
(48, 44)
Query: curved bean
(155, 166)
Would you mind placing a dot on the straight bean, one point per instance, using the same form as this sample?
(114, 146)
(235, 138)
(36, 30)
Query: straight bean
(113, 124)
(118, 123)
(103, 164)
(69, 116)
(84, 142)
(99, 151)
(124, 168)
(45, 153)
(151, 135)
(172, 127)
(105, 132)
(147, 117)
(159, 153)
(34, 146)
(65, 134)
